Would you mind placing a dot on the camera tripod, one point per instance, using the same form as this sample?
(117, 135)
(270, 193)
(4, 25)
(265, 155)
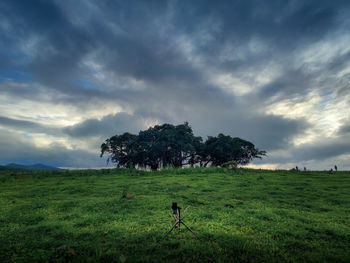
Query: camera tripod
(178, 223)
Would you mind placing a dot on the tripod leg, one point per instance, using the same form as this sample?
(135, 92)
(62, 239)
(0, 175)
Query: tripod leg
(171, 229)
(190, 230)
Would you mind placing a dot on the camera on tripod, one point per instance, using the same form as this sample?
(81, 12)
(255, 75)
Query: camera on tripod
(178, 222)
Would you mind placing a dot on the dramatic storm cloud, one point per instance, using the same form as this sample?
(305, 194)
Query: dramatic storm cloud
(73, 73)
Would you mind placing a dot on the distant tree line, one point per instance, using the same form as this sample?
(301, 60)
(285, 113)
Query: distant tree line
(176, 146)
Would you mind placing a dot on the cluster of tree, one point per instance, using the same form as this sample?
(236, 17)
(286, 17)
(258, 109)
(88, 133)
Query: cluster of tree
(176, 146)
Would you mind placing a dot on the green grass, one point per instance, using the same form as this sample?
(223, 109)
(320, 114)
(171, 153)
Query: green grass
(81, 216)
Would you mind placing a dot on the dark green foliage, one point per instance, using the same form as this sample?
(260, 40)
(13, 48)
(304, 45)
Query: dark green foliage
(122, 149)
(222, 149)
(161, 145)
(168, 145)
(243, 216)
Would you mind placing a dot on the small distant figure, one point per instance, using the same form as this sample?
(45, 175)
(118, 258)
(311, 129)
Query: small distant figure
(296, 168)
(335, 168)
(331, 170)
(304, 169)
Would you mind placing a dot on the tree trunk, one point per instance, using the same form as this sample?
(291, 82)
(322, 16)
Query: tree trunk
(154, 166)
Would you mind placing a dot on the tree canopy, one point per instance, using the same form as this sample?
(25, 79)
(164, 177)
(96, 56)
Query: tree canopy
(176, 146)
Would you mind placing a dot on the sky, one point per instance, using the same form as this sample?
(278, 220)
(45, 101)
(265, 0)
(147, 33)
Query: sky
(75, 72)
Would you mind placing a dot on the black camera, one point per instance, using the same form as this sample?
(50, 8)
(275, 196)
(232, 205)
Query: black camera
(174, 207)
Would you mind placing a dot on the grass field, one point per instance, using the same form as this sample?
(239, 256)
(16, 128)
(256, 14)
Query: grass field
(241, 216)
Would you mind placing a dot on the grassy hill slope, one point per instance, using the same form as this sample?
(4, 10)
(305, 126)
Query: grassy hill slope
(242, 215)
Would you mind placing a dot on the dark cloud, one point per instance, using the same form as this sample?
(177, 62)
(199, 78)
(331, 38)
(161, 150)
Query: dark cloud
(39, 15)
(322, 150)
(27, 126)
(344, 129)
(107, 126)
(315, 153)
(137, 44)
(267, 132)
(339, 62)
(291, 83)
(15, 148)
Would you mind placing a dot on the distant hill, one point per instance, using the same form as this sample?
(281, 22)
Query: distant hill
(20, 167)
